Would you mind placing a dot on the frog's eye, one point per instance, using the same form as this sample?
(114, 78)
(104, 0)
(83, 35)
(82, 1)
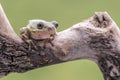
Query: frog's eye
(55, 23)
(40, 26)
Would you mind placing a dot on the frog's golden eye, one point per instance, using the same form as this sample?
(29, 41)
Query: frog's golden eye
(40, 26)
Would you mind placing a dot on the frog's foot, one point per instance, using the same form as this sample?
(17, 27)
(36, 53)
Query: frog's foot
(31, 44)
(52, 36)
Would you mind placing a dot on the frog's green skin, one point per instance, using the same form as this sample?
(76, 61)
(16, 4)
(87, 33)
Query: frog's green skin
(38, 30)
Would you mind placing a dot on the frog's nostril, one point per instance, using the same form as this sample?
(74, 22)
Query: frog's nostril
(49, 29)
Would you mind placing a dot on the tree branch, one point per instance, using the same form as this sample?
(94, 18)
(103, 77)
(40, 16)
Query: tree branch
(97, 39)
(5, 27)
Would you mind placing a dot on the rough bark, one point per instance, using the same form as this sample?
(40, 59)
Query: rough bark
(97, 39)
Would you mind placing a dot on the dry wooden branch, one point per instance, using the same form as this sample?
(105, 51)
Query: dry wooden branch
(97, 39)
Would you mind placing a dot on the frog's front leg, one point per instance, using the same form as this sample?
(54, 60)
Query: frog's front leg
(29, 42)
(52, 36)
(25, 35)
(49, 40)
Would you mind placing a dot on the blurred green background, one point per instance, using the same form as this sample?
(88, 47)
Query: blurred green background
(67, 13)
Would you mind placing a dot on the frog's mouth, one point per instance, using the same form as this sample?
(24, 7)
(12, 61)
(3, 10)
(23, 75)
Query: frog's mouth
(39, 30)
(42, 36)
(38, 34)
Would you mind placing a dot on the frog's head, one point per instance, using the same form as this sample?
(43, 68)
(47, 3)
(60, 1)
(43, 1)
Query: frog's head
(42, 25)
(42, 29)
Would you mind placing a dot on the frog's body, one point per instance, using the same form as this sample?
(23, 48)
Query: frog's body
(38, 30)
